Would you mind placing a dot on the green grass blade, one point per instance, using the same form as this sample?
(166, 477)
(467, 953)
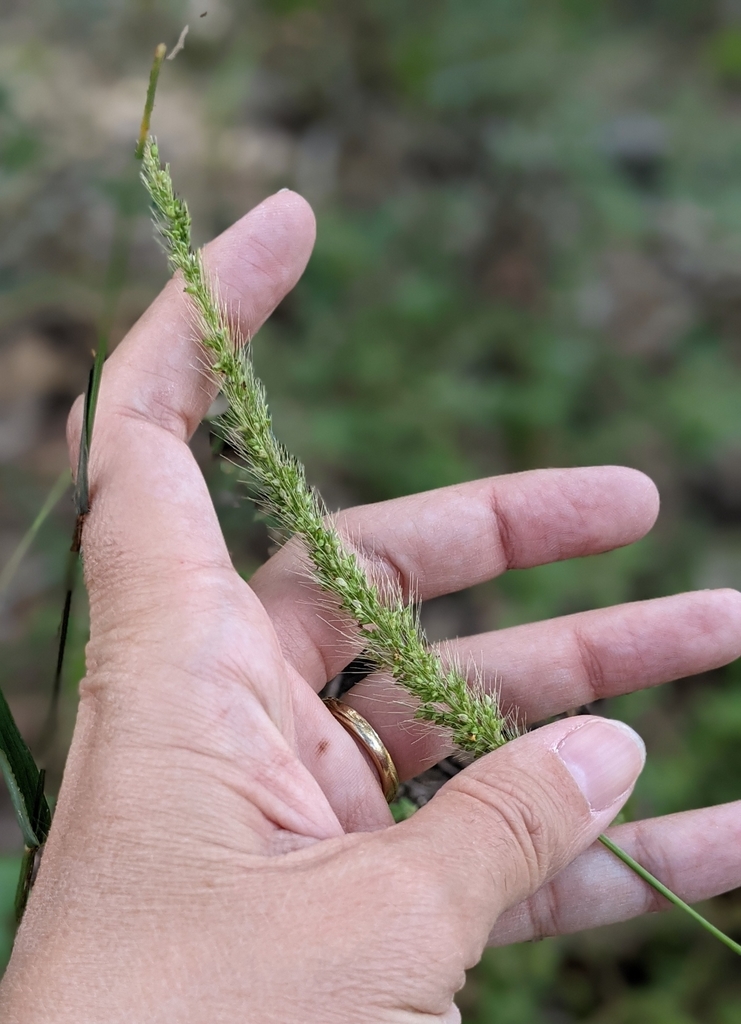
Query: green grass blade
(24, 780)
(24, 881)
(114, 283)
(115, 279)
(668, 894)
(82, 487)
(82, 506)
(96, 373)
(159, 56)
(11, 566)
(47, 733)
(28, 863)
(69, 592)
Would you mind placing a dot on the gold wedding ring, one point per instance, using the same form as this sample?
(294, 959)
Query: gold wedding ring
(364, 734)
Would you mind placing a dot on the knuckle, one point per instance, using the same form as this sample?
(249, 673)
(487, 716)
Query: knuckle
(525, 822)
(590, 664)
(159, 411)
(545, 912)
(647, 854)
(385, 571)
(505, 531)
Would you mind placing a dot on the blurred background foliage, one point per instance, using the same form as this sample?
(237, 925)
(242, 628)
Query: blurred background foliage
(529, 254)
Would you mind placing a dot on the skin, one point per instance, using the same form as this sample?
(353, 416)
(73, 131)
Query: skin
(221, 849)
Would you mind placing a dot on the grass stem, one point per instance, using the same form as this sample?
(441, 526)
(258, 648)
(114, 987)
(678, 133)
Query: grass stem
(668, 894)
(61, 484)
(154, 74)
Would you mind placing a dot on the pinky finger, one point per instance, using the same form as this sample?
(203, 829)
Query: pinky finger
(697, 854)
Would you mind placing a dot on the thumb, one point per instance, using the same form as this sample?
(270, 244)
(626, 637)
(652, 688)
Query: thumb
(500, 829)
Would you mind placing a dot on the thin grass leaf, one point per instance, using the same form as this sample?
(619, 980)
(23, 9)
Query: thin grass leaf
(29, 861)
(11, 566)
(82, 486)
(114, 283)
(23, 779)
(115, 278)
(49, 728)
(25, 881)
(82, 507)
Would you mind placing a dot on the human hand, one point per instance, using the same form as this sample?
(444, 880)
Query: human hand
(221, 849)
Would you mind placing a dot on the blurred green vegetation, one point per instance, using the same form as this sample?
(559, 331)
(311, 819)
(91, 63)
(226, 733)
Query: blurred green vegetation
(528, 254)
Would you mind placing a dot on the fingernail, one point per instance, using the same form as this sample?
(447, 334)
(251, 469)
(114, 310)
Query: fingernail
(605, 758)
